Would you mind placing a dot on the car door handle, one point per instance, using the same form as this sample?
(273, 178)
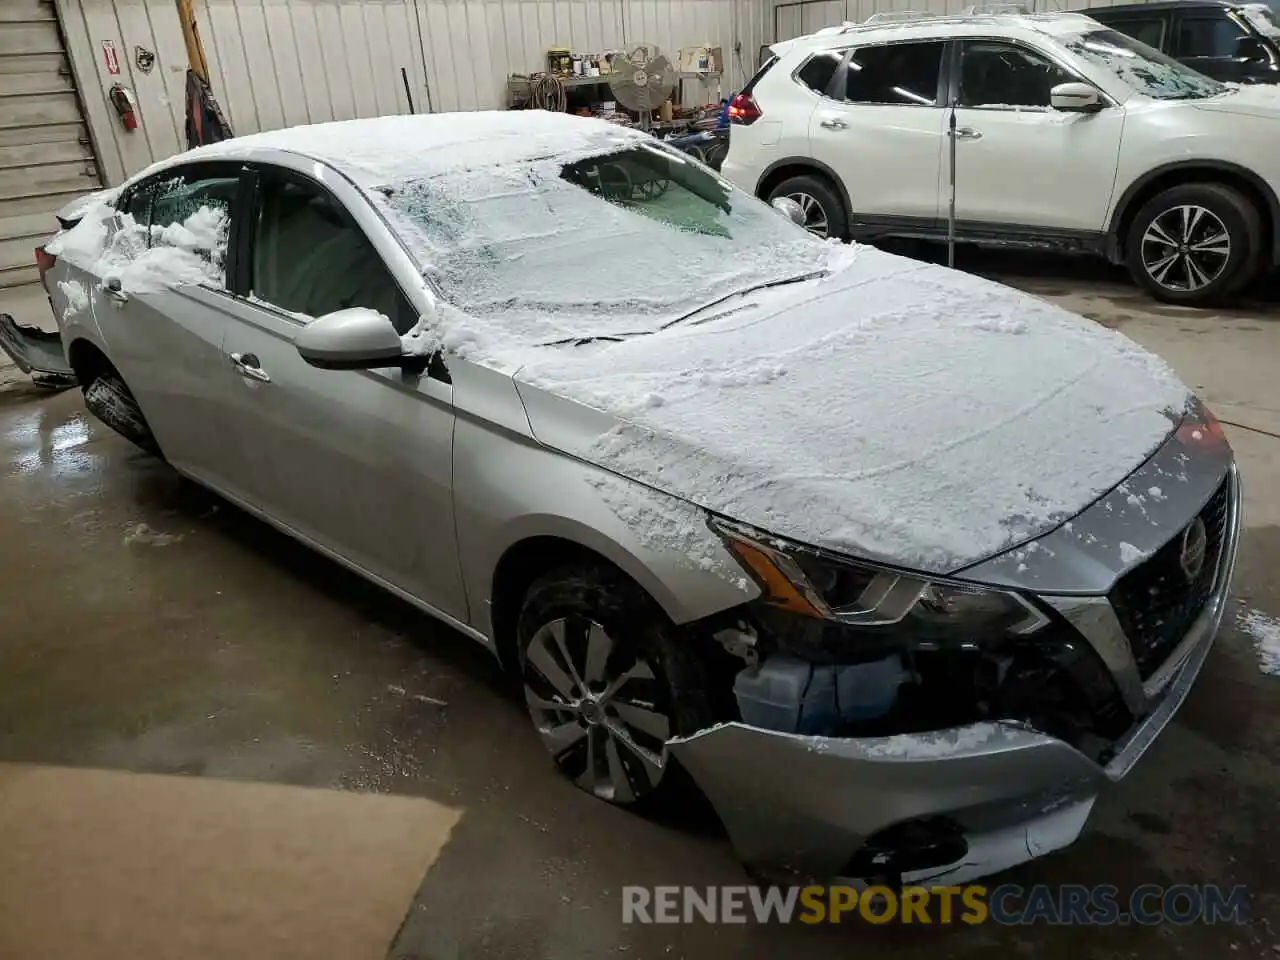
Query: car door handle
(246, 365)
(968, 133)
(833, 123)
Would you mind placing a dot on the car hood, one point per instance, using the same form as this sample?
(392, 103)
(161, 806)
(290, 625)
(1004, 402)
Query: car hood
(1260, 100)
(892, 410)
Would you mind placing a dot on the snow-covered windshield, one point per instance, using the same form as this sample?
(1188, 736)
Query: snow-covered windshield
(1144, 68)
(1262, 18)
(606, 244)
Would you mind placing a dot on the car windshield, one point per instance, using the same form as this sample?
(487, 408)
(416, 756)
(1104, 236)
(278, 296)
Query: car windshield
(1262, 18)
(1144, 68)
(609, 244)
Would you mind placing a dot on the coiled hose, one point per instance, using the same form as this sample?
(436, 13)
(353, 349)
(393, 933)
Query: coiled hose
(546, 92)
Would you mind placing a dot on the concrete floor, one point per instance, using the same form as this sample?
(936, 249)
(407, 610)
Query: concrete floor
(205, 644)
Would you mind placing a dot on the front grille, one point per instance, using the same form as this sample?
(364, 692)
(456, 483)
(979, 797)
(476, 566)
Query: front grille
(1156, 603)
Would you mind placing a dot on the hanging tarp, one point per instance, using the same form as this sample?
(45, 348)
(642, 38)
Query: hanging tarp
(205, 122)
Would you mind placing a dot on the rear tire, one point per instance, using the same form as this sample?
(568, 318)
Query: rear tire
(109, 399)
(825, 215)
(607, 682)
(1194, 244)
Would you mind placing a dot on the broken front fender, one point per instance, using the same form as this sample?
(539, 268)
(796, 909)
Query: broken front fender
(809, 805)
(35, 351)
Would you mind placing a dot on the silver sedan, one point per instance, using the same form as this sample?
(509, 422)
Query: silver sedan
(899, 567)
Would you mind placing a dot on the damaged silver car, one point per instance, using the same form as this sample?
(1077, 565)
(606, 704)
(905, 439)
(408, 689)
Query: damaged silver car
(899, 567)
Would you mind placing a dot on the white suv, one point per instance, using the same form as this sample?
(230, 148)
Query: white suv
(1069, 136)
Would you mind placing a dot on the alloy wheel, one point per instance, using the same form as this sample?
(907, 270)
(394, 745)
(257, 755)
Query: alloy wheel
(601, 712)
(1186, 248)
(815, 218)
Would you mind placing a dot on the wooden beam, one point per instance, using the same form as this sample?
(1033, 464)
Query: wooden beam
(191, 35)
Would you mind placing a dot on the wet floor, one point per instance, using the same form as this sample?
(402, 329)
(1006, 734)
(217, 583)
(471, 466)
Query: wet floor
(146, 626)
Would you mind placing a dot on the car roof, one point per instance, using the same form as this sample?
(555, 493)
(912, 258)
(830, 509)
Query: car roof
(923, 26)
(1158, 5)
(381, 150)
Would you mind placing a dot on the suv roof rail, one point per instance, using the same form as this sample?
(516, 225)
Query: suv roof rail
(995, 9)
(893, 16)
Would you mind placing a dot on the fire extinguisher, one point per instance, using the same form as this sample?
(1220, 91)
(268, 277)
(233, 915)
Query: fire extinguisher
(123, 101)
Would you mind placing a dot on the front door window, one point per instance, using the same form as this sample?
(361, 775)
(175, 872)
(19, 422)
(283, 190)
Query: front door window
(311, 258)
(1003, 75)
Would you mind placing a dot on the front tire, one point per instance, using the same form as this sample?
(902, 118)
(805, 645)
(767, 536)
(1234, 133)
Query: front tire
(607, 683)
(824, 212)
(1194, 244)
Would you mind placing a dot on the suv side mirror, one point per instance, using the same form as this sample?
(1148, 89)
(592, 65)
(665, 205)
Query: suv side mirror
(1075, 97)
(1250, 50)
(351, 339)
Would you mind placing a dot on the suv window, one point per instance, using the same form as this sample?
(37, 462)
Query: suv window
(995, 74)
(1208, 35)
(310, 257)
(818, 70)
(899, 73)
(1149, 30)
(190, 211)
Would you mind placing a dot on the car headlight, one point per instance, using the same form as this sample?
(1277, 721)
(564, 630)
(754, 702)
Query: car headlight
(876, 605)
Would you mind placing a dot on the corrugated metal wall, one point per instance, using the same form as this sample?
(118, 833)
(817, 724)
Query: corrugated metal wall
(792, 19)
(127, 25)
(276, 63)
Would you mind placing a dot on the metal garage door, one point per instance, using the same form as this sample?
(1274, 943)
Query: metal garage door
(45, 156)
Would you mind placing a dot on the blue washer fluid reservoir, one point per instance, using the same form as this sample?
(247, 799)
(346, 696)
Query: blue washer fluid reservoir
(794, 696)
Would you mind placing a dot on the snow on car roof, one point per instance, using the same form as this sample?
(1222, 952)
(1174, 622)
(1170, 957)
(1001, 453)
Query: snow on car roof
(386, 149)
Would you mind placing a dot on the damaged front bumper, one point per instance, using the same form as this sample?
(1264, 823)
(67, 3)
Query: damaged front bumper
(35, 351)
(941, 807)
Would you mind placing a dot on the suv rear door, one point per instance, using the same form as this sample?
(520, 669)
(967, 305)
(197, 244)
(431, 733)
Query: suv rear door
(879, 126)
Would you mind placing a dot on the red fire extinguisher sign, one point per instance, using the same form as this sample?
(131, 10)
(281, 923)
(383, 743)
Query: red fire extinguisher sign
(110, 58)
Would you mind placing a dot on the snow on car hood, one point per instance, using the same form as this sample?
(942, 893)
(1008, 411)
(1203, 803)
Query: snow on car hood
(1248, 100)
(892, 410)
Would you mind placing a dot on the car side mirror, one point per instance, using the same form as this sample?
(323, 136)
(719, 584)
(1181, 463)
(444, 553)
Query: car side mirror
(789, 209)
(1250, 50)
(1075, 97)
(353, 339)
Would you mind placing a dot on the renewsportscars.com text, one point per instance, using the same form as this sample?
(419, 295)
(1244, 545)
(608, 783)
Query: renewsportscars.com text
(1008, 904)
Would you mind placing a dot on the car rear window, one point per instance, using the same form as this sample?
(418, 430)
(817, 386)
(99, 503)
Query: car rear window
(818, 70)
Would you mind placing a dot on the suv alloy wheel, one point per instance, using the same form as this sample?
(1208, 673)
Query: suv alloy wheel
(1195, 243)
(824, 214)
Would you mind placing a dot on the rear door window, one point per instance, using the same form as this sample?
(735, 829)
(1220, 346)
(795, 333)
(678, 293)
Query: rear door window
(189, 211)
(310, 257)
(904, 74)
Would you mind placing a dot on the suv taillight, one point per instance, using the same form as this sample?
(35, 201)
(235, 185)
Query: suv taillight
(743, 109)
(44, 263)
